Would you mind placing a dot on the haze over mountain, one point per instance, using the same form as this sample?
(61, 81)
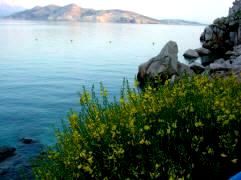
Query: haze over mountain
(8, 9)
(73, 12)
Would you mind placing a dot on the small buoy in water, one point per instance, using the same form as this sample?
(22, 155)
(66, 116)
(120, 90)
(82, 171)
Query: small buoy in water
(110, 42)
(153, 43)
(71, 40)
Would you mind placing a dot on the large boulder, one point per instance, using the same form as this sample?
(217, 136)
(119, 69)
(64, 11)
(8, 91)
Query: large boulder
(203, 51)
(237, 61)
(214, 67)
(191, 54)
(220, 61)
(226, 68)
(184, 69)
(163, 66)
(197, 68)
(26, 140)
(6, 152)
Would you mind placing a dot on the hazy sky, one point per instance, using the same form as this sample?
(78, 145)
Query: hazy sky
(200, 10)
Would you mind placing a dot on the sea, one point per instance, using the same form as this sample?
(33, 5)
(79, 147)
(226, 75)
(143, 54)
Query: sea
(45, 65)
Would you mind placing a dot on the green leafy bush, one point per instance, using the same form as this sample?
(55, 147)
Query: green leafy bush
(188, 130)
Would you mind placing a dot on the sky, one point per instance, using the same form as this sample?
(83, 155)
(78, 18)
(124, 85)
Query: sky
(197, 10)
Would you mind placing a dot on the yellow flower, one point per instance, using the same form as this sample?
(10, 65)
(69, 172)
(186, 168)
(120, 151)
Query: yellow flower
(199, 124)
(88, 169)
(113, 127)
(147, 128)
(234, 161)
(142, 141)
(223, 155)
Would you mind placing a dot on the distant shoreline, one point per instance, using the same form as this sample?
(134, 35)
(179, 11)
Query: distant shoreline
(23, 20)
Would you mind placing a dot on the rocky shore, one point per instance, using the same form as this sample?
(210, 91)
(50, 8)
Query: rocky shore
(15, 161)
(220, 53)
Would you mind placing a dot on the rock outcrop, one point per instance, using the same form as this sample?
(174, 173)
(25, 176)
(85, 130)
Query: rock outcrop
(220, 54)
(225, 32)
(197, 68)
(222, 68)
(203, 51)
(6, 152)
(15, 163)
(216, 37)
(164, 66)
(27, 140)
(191, 54)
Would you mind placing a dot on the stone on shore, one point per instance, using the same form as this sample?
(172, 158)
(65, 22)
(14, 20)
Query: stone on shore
(183, 69)
(230, 53)
(197, 68)
(191, 54)
(220, 61)
(237, 61)
(27, 141)
(219, 67)
(203, 51)
(6, 152)
(163, 66)
(224, 68)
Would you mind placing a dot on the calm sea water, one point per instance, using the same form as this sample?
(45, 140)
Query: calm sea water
(42, 71)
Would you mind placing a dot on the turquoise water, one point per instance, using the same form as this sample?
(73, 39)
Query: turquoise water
(42, 71)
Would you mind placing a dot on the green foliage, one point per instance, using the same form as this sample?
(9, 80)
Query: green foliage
(189, 130)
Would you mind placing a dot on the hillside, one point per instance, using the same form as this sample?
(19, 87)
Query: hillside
(73, 12)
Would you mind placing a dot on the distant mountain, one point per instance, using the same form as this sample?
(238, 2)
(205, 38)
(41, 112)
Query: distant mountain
(72, 12)
(180, 22)
(7, 9)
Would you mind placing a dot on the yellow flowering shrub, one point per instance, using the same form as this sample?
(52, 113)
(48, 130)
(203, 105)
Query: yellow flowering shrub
(186, 130)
